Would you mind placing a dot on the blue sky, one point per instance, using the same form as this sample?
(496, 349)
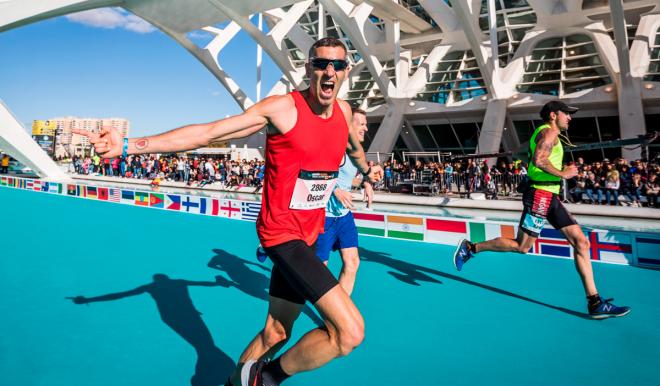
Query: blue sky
(109, 63)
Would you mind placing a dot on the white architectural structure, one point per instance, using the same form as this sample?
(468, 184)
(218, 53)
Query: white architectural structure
(442, 75)
(16, 141)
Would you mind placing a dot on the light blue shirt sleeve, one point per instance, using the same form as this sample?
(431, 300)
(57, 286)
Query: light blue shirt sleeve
(347, 172)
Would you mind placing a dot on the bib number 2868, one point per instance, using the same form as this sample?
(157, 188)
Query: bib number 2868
(313, 190)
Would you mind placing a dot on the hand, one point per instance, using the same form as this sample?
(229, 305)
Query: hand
(78, 300)
(375, 175)
(346, 198)
(570, 171)
(368, 194)
(108, 143)
(224, 282)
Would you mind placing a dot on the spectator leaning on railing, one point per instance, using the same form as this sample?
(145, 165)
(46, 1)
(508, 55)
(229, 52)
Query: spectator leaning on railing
(616, 183)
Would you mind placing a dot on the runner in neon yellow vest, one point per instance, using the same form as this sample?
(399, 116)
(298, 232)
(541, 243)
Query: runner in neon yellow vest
(541, 204)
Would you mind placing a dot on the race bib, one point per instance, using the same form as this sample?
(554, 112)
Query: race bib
(533, 223)
(313, 190)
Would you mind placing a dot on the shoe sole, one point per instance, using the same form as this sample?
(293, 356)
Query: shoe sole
(606, 316)
(245, 372)
(456, 253)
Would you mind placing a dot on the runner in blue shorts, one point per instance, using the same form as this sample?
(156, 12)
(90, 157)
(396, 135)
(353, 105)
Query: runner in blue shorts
(340, 232)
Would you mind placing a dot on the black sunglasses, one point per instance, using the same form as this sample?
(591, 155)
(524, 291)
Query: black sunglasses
(322, 63)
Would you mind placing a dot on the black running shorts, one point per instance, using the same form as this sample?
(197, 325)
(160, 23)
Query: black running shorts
(540, 205)
(298, 274)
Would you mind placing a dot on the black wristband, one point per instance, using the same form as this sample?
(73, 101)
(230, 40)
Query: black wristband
(364, 174)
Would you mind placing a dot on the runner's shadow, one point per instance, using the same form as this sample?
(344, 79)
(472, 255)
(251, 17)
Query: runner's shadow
(253, 283)
(408, 273)
(178, 312)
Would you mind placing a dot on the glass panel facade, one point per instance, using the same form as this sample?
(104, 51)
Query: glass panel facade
(653, 74)
(457, 77)
(414, 7)
(513, 19)
(652, 124)
(561, 66)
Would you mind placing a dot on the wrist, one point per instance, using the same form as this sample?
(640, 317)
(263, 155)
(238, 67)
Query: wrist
(366, 172)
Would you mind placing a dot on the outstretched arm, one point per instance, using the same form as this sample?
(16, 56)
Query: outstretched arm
(109, 142)
(220, 281)
(108, 297)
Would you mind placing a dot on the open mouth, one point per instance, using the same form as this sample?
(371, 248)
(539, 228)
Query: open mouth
(327, 88)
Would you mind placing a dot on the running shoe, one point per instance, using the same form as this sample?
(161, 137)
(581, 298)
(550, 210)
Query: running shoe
(251, 373)
(605, 309)
(462, 255)
(261, 254)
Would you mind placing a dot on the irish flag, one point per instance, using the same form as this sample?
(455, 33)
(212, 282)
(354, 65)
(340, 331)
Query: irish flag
(485, 231)
(449, 232)
(405, 227)
(370, 223)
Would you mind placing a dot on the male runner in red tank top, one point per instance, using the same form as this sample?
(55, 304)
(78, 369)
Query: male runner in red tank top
(308, 132)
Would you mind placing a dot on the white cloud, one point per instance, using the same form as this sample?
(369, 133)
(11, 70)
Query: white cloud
(111, 18)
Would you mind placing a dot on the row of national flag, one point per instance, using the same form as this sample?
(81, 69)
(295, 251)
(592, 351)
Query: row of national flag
(608, 246)
(605, 245)
(234, 209)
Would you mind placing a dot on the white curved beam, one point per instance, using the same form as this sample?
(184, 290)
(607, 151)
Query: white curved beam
(16, 141)
(273, 43)
(209, 57)
(15, 13)
(353, 26)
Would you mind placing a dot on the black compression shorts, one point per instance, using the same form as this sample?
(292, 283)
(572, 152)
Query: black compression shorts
(540, 205)
(298, 274)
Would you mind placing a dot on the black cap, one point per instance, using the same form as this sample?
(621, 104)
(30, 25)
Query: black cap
(554, 107)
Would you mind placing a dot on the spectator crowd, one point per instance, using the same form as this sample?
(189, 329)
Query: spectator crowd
(635, 183)
(193, 171)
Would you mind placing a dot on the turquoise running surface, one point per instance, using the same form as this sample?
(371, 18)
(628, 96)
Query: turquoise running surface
(507, 319)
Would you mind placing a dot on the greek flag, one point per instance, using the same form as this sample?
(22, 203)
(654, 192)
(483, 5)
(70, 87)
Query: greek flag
(250, 210)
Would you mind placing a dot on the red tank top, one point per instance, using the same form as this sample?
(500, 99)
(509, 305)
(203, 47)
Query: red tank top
(313, 144)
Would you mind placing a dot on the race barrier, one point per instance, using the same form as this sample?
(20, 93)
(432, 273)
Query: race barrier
(610, 246)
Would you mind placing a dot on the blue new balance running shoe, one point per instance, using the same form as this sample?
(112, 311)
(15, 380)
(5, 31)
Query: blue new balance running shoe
(605, 309)
(261, 254)
(462, 254)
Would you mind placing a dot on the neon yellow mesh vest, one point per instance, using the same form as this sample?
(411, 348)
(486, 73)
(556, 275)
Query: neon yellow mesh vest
(537, 175)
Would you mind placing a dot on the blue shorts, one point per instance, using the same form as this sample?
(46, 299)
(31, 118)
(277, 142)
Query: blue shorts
(339, 233)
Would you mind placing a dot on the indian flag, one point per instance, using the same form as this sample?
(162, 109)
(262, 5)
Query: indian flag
(405, 227)
(449, 232)
(370, 223)
(485, 231)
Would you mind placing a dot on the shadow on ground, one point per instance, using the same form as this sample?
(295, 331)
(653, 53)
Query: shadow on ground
(413, 273)
(251, 282)
(178, 312)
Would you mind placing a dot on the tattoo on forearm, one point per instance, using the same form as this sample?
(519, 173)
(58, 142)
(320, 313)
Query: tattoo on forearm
(141, 144)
